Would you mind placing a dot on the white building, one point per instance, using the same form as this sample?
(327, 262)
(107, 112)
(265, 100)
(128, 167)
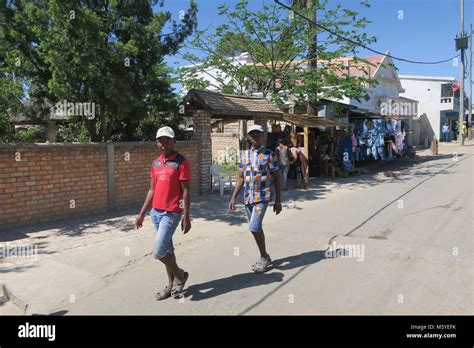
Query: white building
(383, 97)
(386, 98)
(381, 68)
(215, 77)
(437, 103)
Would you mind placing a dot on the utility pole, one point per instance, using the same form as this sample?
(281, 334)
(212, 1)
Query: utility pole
(312, 6)
(469, 125)
(461, 92)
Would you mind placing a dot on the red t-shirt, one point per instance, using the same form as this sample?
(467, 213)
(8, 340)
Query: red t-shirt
(167, 174)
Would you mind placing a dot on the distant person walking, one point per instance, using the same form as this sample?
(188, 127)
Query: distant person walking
(445, 132)
(464, 131)
(168, 196)
(258, 170)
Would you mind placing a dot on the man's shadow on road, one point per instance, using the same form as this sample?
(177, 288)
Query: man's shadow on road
(217, 287)
(222, 286)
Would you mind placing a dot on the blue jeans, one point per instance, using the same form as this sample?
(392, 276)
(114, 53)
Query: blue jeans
(255, 214)
(445, 136)
(373, 151)
(165, 225)
(381, 152)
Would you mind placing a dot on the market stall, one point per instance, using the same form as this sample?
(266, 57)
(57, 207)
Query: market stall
(323, 141)
(380, 137)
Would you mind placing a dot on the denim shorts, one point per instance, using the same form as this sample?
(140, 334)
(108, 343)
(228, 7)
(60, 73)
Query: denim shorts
(165, 223)
(255, 214)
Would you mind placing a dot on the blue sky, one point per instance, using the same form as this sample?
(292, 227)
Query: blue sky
(426, 32)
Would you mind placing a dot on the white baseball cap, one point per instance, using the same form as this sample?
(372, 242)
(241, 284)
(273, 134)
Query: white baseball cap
(255, 127)
(165, 132)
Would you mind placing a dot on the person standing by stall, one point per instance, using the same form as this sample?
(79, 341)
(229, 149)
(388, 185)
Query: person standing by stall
(300, 161)
(295, 165)
(283, 161)
(304, 169)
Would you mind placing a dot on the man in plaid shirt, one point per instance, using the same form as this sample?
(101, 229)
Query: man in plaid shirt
(258, 170)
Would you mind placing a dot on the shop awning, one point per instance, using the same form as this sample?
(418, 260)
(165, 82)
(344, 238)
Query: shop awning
(313, 122)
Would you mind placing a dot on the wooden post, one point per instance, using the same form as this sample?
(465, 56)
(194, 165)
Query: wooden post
(242, 134)
(306, 142)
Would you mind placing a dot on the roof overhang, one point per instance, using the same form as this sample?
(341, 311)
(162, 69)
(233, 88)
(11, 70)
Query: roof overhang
(312, 121)
(226, 106)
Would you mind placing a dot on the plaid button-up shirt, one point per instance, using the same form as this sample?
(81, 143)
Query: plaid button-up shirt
(257, 167)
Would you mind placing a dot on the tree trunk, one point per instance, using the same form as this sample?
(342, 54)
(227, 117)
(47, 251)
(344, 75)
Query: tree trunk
(92, 128)
(108, 133)
(102, 118)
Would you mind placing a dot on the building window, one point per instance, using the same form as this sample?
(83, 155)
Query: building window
(447, 90)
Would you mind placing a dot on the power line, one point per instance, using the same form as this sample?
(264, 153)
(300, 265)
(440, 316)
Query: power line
(360, 44)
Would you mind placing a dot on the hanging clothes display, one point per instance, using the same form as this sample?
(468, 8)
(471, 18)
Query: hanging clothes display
(399, 138)
(371, 137)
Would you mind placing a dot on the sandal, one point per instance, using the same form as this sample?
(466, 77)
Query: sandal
(178, 285)
(163, 294)
(262, 266)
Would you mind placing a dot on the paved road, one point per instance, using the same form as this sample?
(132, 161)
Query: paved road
(399, 242)
(404, 244)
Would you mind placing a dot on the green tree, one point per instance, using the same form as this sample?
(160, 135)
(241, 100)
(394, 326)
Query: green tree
(280, 44)
(107, 52)
(10, 90)
(10, 103)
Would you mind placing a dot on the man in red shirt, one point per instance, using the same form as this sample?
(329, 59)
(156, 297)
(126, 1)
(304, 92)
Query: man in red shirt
(168, 196)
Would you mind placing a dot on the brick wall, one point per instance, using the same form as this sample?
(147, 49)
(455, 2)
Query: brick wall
(223, 144)
(39, 183)
(48, 182)
(131, 193)
(231, 127)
